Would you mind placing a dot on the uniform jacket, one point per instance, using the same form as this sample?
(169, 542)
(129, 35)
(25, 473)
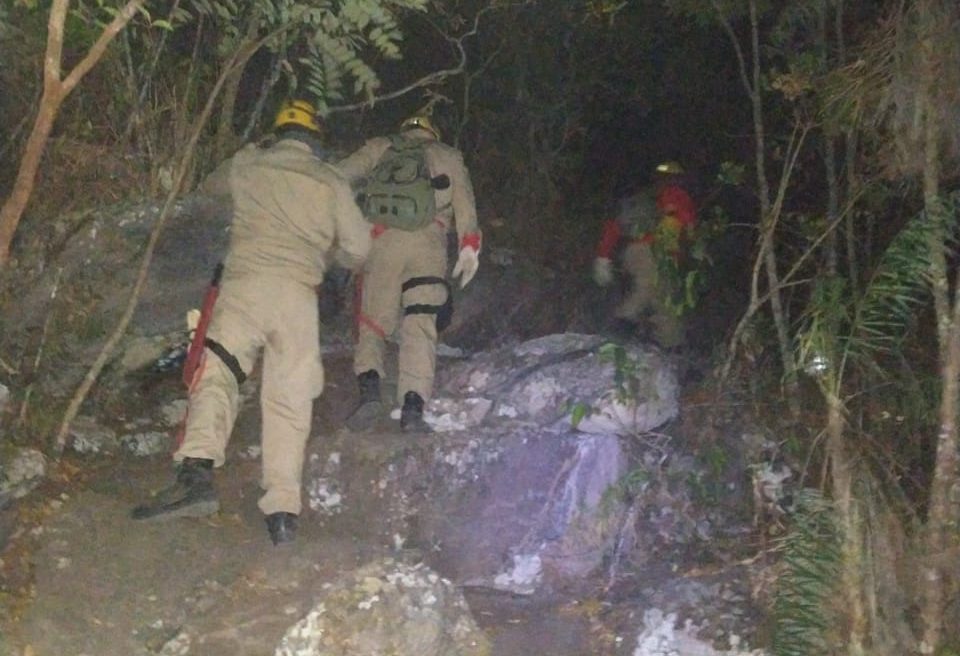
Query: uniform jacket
(455, 203)
(673, 204)
(291, 213)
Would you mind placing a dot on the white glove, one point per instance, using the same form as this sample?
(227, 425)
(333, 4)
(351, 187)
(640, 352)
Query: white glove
(193, 320)
(467, 265)
(603, 271)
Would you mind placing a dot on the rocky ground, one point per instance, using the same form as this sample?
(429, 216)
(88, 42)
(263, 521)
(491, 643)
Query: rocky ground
(505, 532)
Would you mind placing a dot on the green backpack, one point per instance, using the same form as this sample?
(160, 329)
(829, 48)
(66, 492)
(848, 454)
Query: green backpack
(398, 192)
(638, 213)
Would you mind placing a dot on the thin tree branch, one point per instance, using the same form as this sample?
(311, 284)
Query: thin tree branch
(99, 47)
(237, 61)
(54, 51)
(435, 77)
(135, 114)
(786, 281)
(735, 42)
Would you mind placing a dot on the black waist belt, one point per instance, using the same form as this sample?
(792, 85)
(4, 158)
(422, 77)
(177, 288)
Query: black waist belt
(228, 359)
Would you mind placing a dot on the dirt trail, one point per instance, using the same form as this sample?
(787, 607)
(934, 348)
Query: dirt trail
(104, 585)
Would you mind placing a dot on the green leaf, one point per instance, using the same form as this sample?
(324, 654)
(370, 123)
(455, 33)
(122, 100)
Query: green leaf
(578, 413)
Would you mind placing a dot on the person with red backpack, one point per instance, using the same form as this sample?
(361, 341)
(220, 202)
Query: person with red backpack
(650, 225)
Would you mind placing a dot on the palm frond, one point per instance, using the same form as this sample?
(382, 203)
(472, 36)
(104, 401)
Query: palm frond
(900, 283)
(812, 560)
(831, 333)
(887, 85)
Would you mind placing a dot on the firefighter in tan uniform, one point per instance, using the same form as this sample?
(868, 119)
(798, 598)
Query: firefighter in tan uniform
(404, 279)
(292, 215)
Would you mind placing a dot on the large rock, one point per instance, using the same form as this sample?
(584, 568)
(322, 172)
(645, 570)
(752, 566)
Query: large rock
(190, 246)
(21, 470)
(508, 506)
(663, 635)
(4, 398)
(513, 491)
(387, 608)
(94, 272)
(558, 380)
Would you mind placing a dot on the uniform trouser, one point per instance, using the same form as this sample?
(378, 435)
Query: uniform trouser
(396, 257)
(648, 294)
(279, 316)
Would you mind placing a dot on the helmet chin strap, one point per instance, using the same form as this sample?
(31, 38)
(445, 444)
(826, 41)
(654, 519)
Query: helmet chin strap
(307, 137)
(316, 145)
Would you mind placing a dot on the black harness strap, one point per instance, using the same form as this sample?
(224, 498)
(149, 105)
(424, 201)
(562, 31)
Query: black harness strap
(422, 280)
(443, 312)
(421, 308)
(228, 359)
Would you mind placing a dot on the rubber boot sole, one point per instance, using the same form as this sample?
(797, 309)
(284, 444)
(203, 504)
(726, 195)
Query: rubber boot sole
(415, 426)
(157, 513)
(365, 416)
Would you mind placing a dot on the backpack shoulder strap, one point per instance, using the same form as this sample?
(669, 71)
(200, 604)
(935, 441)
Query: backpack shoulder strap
(402, 143)
(416, 148)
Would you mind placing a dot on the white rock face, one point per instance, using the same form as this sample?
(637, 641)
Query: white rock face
(551, 379)
(88, 436)
(20, 472)
(661, 637)
(148, 443)
(387, 608)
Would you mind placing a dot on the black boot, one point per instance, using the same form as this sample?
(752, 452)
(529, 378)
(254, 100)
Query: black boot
(282, 527)
(370, 407)
(192, 495)
(625, 330)
(411, 415)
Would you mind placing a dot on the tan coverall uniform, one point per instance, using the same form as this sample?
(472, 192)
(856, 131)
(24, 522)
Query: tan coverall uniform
(649, 293)
(670, 208)
(400, 255)
(291, 212)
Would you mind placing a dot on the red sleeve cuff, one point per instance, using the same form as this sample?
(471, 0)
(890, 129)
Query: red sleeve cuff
(608, 240)
(472, 240)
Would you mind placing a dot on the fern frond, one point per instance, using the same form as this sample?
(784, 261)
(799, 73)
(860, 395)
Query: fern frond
(334, 41)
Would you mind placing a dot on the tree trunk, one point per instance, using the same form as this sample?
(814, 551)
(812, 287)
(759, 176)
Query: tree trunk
(941, 515)
(768, 222)
(842, 477)
(55, 90)
(829, 153)
(226, 139)
(16, 203)
(750, 77)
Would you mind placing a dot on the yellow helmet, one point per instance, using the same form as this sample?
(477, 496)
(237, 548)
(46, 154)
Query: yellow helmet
(423, 122)
(297, 112)
(670, 168)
